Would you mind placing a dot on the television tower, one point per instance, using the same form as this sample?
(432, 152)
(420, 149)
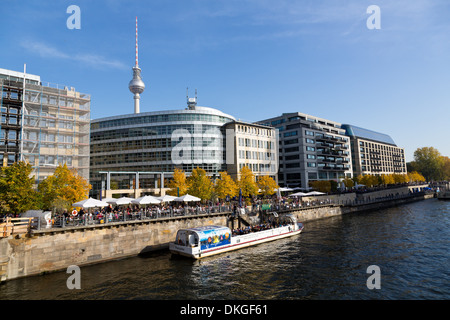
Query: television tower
(136, 84)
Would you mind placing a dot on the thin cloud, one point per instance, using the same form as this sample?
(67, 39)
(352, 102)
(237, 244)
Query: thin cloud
(47, 51)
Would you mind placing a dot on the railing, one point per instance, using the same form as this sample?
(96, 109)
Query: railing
(24, 225)
(12, 226)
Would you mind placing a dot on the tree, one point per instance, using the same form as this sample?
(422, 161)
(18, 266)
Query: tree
(16, 189)
(415, 177)
(178, 184)
(200, 185)
(267, 185)
(348, 182)
(387, 179)
(63, 188)
(428, 161)
(226, 186)
(321, 185)
(445, 168)
(247, 182)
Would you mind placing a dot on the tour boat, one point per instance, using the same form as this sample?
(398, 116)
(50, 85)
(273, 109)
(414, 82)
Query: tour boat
(206, 241)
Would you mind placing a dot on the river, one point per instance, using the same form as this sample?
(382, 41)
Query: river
(327, 261)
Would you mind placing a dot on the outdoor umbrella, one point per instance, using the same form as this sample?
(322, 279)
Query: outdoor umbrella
(281, 189)
(187, 198)
(121, 201)
(314, 193)
(146, 200)
(166, 198)
(90, 203)
(298, 194)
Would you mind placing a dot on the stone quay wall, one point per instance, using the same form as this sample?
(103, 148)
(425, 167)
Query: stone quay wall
(56, 249)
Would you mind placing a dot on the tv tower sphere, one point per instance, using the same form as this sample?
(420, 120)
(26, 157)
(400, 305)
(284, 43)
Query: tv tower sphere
(136, 84)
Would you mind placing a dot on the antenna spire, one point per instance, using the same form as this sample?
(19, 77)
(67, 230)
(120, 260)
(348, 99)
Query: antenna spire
(137, 64)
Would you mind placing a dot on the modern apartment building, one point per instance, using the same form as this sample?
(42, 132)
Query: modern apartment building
(374, 152)
(251, 145)
(310, 149)
(43, 124)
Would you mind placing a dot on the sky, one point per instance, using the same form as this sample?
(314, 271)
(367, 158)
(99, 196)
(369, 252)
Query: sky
(252, 59)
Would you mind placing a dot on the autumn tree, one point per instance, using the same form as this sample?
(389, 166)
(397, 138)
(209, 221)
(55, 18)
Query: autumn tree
(226, 186)
(321, 185)
(16, 189)
(415, 177)
(63, 188)
(348, 182)
(200, 185)
(247, 182)
(445, 168)
(267, 185)
(178, 184)
(429, 162)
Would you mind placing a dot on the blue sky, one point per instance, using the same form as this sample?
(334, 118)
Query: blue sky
(253, 59)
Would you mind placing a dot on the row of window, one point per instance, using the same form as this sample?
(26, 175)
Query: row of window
(255, 130)
(254, 143)
(139, 132)
(255, 155)
(159, 118)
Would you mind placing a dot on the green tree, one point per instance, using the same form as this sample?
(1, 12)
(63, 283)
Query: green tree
(267, 185)
(63, 188)
(226, 186)
(445, 168)
(200, 185)
(348, 182)
(16, 189)
(321, 185)
(428, 161)
(178, 183)
(247, 182)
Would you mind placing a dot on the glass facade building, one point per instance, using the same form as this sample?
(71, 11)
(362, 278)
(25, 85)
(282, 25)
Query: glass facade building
(157, 141)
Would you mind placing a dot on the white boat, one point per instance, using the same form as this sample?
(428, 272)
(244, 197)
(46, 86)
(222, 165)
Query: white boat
(206, 241)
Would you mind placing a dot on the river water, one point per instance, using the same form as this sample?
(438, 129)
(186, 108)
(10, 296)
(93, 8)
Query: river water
(327, 261)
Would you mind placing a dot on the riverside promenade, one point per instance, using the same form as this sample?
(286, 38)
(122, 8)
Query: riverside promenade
(40, 249)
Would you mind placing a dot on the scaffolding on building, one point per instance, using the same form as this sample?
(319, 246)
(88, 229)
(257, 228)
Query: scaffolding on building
(51, 126)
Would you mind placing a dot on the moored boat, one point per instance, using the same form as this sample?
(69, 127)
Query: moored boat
(206, 241)
(444, 195)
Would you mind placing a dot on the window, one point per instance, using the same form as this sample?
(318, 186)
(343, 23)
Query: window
(311, 164)
(309, 133)
(290, 134)
(310, 149)
(309, 140)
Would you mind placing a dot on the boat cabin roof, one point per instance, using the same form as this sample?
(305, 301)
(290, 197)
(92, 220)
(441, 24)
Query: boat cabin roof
(207, 229)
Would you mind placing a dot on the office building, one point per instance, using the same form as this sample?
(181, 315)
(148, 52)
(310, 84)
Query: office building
(310, 149)
(251, 145)
(374, 153)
